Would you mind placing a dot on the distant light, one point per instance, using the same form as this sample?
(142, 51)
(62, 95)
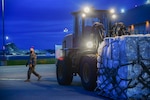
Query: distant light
(86, 9)
(83, 15)
(3, 47)
(148, 2)
(122, 11)
(132, 27)
(112, 11)
(7, 37)
(147, 25)
(135, 5)
(65, 30)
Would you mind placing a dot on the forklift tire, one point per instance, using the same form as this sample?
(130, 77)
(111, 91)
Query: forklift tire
(88, 72)
(63, 72)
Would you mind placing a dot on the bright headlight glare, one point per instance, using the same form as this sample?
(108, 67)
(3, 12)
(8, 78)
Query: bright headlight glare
(89, 44)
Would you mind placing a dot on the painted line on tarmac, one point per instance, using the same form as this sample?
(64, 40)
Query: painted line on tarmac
(11, 79)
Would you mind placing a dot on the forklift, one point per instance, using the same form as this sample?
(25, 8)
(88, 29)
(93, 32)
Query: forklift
(80, 48)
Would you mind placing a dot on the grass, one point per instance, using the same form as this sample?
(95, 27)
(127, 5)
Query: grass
(23, 62)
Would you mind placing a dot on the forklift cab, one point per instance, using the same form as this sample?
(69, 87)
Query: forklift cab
(89, 29)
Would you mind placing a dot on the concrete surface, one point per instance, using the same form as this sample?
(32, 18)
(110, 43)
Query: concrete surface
(13, 87)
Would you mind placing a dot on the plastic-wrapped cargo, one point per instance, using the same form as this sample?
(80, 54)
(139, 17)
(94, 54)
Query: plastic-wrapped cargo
(124, 67)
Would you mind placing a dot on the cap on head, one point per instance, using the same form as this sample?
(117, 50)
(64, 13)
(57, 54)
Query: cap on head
(31, 49)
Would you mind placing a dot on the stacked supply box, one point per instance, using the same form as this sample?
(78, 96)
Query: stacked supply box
(124, 67)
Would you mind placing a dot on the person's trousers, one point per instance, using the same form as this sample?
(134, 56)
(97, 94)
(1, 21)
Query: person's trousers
(31, 70)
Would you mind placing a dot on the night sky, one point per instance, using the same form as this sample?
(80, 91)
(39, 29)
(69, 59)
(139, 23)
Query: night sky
(40, 23)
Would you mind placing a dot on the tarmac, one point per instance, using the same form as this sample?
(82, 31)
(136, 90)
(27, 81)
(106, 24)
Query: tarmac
(13, 87)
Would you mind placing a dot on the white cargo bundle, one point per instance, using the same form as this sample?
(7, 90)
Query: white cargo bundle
(124, 67)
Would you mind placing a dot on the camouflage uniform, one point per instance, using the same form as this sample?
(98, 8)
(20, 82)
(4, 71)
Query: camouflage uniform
(32, 64)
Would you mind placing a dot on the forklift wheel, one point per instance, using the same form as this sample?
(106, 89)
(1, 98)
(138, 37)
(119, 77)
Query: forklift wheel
(88, 72)
(63, 72)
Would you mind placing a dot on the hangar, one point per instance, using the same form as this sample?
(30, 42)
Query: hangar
(137, 19)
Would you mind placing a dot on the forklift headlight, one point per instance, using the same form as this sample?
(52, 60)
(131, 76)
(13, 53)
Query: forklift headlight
(89, 44)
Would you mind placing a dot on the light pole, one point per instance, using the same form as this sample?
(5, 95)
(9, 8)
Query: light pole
(3, 30)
